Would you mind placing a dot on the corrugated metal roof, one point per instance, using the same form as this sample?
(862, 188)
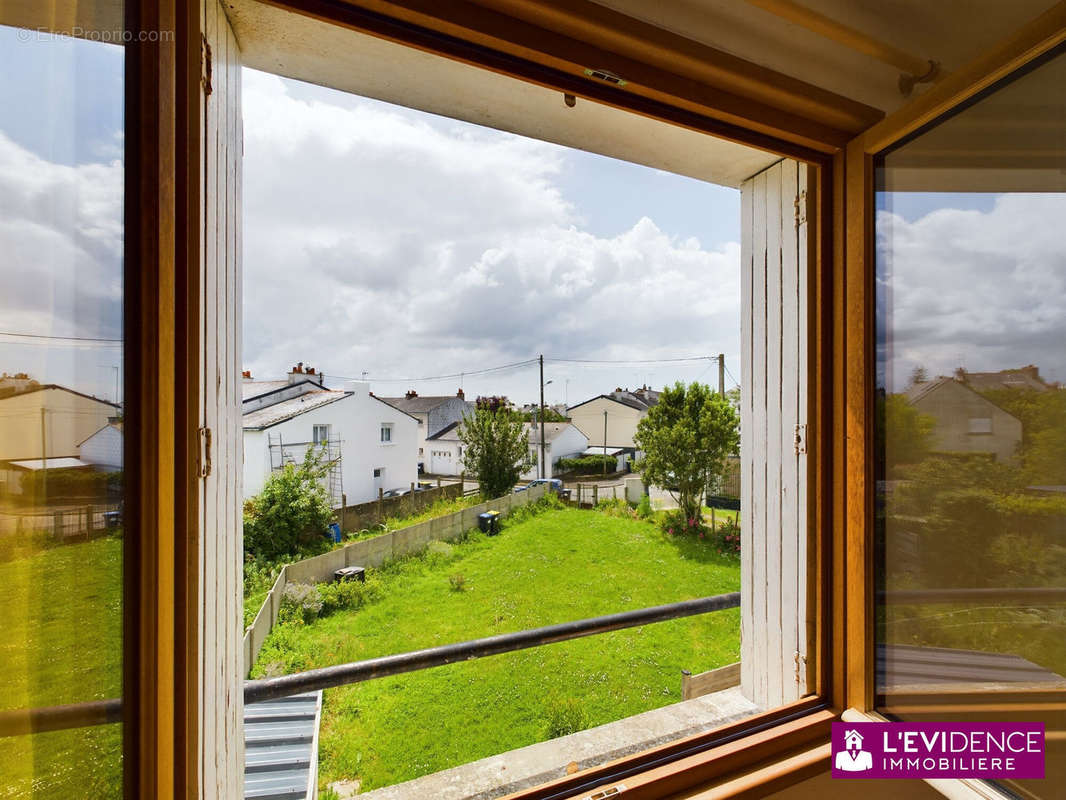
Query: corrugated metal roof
(53, 462)
(286, 409)
(281, 748)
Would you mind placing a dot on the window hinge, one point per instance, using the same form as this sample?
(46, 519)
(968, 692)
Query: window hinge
(800, 206)
(800, 439)
(204, 462)
(801, 666)
(205, 64)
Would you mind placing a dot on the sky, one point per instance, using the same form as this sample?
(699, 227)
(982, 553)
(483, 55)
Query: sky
(385, 242)
(423, 246)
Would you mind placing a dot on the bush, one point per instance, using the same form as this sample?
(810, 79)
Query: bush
(292, 511)
(300, 604)
(549, 502)
(588, 464)
(644, 509)
(616, 507)
(726, 539)
(565, 717)
(675, 523)
(457, 582)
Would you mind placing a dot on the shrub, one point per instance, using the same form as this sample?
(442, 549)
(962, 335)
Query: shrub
(616, 507)
(457, 582)
(675, 523)
(549, 502)
(726, 539)
(588, 464)
(341, 595)
(292, 511)
(644, 509)
(300, 604)
(566, 716)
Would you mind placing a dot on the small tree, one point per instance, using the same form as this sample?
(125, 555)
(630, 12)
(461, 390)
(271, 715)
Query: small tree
(686, 437)
(293, 508)
(495, 446)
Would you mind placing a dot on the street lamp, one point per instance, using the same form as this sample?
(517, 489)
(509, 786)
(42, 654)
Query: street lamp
(542, 385)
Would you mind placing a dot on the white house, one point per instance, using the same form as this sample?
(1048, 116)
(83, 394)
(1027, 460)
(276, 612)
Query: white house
(618, 412)
(434, 415)
(561, 440)
(372, 444)
(104, 448)
(443, 452)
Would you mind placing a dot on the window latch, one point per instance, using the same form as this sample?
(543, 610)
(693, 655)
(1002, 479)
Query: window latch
(204, 462)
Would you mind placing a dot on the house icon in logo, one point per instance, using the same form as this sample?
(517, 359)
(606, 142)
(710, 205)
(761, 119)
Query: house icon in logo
(853, 758)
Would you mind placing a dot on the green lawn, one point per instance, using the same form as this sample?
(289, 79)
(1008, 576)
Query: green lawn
(558, 566)
(61, 618)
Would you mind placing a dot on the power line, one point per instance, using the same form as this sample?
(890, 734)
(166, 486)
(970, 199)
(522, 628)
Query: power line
(630, 361)
(730, 374)
(61, 338)
(487, 370)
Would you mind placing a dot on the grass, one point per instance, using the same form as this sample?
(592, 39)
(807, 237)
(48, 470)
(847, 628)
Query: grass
(259, 576)
(558, 566)
(61, 617)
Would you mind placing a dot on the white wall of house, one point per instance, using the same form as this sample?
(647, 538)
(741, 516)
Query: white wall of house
(103, 449)
(69, 418)
(443, 457)
(357, 421)
(567, 443)
(621, 422)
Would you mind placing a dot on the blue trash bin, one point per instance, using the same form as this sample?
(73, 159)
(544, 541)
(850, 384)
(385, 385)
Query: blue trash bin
(335, 532)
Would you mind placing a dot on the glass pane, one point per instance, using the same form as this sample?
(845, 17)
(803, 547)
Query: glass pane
(61, 233)
(971, 287)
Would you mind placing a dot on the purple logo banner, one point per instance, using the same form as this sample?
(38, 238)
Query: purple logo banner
(989, 750)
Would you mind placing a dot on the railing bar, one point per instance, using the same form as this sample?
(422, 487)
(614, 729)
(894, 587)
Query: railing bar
(1036, 594)
(58, 718)
(357, 672)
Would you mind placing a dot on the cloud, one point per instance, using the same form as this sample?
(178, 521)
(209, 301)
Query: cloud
(61, 235)
(977, 289)
(403, 244)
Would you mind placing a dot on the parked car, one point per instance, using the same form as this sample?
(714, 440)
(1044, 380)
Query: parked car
(395, 492)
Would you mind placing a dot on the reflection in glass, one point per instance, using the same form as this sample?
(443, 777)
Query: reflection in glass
(971, 415)
(61, 404)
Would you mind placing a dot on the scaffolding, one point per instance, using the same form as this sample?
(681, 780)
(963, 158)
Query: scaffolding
(282, 453)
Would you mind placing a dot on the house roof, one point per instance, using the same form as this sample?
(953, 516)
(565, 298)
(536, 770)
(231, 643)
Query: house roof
(552, 430)
(250, 389)
(641, 400)
(1024, 378)
(921, 390)
(287, 409)
(418, 405)
(116, 425)
(449, 433)
(55, 462)
(44, 386)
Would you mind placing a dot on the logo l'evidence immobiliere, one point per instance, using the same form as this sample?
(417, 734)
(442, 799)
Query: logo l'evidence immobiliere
(988, 750)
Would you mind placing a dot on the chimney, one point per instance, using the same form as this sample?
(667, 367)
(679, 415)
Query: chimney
(247, 375)
(460, 394)
(299, 374)
(410, 393)
(1032, 371)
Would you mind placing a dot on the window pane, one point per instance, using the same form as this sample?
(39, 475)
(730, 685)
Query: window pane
(971, 287)
(61, 538)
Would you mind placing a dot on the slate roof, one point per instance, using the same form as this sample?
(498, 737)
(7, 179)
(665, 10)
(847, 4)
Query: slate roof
(552, 430)
(287, 409)
(1004, 379)
(417, 405)
(251, 389)
(641, 401)
(449, 433)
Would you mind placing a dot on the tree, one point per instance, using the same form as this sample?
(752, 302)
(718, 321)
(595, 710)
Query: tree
(293, 509)
(686, 438)
(495, 446)
(905, 433)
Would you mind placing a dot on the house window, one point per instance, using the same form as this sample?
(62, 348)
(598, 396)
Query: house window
(420, 451)
(966, 610)
(386, 432)
(377, 472)
(321, 434)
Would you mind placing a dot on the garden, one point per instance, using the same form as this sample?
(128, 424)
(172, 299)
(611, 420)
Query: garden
(550, 564)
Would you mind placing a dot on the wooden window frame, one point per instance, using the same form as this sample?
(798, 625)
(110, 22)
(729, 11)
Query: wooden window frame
(837, 137)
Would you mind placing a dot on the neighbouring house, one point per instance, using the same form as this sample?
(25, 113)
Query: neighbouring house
(561, 440)
(16, 476)
(443, 452)
(49, 420)
(434, 414)
(1027, 377)
(965, 421)
(104, 448)
(370, 443)
(624, 409)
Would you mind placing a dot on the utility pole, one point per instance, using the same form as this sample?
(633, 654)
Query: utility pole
(605, 441)
(44, 460)
(721, 374)
(540, 358)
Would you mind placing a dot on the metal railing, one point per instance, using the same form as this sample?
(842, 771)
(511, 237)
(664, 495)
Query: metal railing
(101, 712)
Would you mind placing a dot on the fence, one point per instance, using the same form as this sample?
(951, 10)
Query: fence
(372, 552)
(364, 515)
(82, 522)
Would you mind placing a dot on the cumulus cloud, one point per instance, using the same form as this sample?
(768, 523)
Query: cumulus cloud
(401, 244)
(983, 290)
(61, 236)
